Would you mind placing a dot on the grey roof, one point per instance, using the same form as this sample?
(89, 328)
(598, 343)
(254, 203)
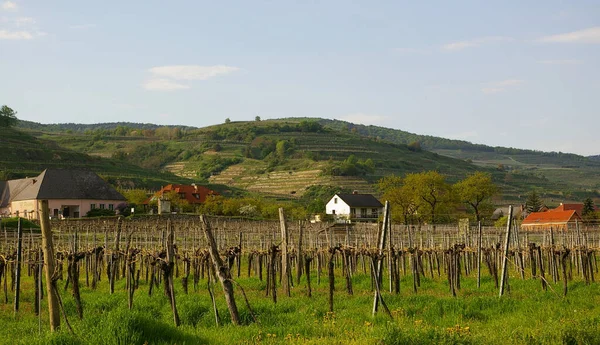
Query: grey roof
(360, 200)
(62, 184)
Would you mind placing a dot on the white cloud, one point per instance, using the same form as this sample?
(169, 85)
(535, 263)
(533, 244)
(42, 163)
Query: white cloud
(501, 86)
(365, 119)
(9, 6)
(24, 21)
(459, 45)
(191, 72)
(561, 62)
(16, 35)
(158, 84)
(590, 35)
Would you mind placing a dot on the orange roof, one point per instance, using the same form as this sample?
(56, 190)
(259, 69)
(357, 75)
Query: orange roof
(550, 218)
(193, 194)
(568, 207)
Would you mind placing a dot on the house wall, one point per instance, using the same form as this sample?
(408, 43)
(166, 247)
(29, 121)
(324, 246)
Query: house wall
(547, 226)
(340, 207)
(77, 207)
(343, 210)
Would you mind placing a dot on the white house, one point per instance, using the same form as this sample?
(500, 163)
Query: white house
(354, 207)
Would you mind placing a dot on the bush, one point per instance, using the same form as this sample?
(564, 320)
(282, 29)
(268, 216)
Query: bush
(100, 212)
(13, 223)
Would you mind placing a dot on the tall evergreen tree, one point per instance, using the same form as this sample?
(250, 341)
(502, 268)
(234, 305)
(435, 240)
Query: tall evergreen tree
(533, 203)
(588, 207)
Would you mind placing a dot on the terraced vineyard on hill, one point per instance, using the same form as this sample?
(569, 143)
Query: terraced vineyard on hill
(284, 157)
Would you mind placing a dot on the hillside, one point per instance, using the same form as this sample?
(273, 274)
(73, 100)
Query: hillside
(575, 175)
(279, 157)
(25, 155)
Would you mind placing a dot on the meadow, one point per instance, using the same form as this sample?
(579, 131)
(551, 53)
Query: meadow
(525, 315)
(422, 313)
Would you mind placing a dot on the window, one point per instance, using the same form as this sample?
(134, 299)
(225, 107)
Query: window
(102, 206)
(92, 206)
(196, 195)
(353, 211)
(335, 200)
(111, 207)
(374, 212)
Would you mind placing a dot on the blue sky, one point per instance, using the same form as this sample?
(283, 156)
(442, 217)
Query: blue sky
(519, 74)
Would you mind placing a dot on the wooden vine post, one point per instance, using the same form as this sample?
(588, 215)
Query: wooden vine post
(381, 248)
(48, 248)
(170, 264)
(504, 276)
(19, 260)
(222, 271)
(478, 254)
(285, 276)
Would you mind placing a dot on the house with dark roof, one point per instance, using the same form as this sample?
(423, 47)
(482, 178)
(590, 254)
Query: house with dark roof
(70, 194)
(354, 207)
(193, 194)
(555, 219)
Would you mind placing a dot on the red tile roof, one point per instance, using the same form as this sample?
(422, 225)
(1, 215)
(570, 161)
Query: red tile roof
(550, 218)
(568, 207)
(193, 194)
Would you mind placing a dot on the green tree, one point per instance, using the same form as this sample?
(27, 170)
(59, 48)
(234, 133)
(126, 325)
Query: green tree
(257, 118)
(8, 117)
(281, 148)
(588, 207)
(589, 210)
(401, 196)
(227, 120)
(533, 203)
(476, 191)
(430, 187)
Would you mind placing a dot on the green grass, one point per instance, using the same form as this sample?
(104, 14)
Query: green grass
(12, 223)
(525, 315)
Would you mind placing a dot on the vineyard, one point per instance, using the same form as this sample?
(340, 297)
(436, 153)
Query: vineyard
(191, 279)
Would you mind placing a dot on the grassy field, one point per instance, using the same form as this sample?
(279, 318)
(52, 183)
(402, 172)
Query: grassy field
(525, 315)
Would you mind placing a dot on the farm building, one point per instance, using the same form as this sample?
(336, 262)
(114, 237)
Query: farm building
(555, 219)
(354, 207)
(70, 194)
(193, 194)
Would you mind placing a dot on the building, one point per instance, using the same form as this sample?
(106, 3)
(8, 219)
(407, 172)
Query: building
(555, 219)
(570, 207)
(354, 207)
(70, 194)
(193, 194)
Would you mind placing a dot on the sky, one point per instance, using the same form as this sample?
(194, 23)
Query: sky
(522, 74)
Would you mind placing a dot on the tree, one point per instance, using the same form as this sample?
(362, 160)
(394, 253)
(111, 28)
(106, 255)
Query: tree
(257, 118)
(401, 196)
(476, 191)
(589, 210)
(533, 203)
(430, 187)
(588, 207)
(227, 120)
(8, 117)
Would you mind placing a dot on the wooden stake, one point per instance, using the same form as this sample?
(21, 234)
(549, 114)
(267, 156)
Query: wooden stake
(48, 247)
(504, 276)
(222, 271)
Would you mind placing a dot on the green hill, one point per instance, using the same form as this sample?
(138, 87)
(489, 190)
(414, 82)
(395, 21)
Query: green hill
(284, 157)
(27, 154)
(277, 157)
